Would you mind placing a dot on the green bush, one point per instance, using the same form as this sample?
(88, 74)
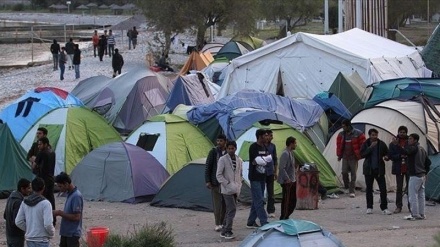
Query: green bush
(157, 235)
(18, 7)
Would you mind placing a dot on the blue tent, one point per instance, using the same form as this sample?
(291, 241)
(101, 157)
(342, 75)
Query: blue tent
(30, 107)
(329, 101)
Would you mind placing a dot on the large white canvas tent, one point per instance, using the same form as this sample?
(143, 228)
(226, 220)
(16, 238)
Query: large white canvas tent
(304, 64)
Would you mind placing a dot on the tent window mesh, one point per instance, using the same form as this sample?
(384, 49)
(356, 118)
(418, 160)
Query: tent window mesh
(147, 141)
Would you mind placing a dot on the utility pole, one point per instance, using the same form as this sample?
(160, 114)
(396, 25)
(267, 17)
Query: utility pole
(326, 17)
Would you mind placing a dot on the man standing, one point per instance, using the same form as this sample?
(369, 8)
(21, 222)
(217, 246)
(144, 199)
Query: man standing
(35, 217)
(63, 60)
(106, 44)
(55, 50)
(418, 167)
(271, 169)
(111, 43)
(69, 50)
(34, 150)
(102, 44)
(399, 168)
(229, 175)
(287, 178)
(375, 152)
(76, 60)
(134, 35)
(348, 145)
(95, 40)
(14, 235)
(258, 158)
(71, 222)
(211, 180)
(117, 63)
(46, 166)
(129, 35)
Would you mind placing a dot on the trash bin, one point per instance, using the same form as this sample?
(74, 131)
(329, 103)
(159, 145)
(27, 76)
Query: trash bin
(307, 183)
(96, 236)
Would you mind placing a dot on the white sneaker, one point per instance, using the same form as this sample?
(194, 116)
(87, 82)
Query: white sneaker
(409, 217)
(271, 215)
(352, 195)
(369, 210)
(386, 212)
(218, 228)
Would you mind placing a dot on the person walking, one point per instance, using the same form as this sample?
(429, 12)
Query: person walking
(111, 42)
(287, 178)
(35, 217)
(63, 60)
(76, 60)
(14, 235)
(130, 40)
(106, 44)
(71, 216)
(418, 166)
(375, 151)
(212, 183)
(134, 35)
(117, 63)
(55, 50)
(271, 169)
(102, 44)
(70, 50)
(95, 40)
(229, 175)
(348, 145)
(399, 167)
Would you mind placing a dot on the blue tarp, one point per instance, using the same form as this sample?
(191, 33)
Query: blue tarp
(238, 112)
(329, 101)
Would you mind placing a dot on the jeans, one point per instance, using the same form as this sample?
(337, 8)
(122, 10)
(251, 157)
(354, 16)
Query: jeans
(129, 43)
(399, 190)
(76, 70)
(270, 194)
(134, 40)
(288, 203)
(218, 205)
(37, 244)
(231, 209)
(69, 241)
(55, 61)
(62, 69)
(369, 180)
(349, 166)
(70, 59)
(94, 49)
(257, 206)
(416, 194)
(111, 50)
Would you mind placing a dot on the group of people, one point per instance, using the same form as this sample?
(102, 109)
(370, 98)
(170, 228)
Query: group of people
(30, 212)
(70, 53)
(223, 176)
(105, 45)
(410, 165)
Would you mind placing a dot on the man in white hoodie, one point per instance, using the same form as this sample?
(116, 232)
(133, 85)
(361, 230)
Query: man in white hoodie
(229, 170)
(35, 217)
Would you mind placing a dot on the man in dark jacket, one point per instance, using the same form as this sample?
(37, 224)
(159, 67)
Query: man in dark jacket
(55, 50)
(102, 45)
(117, 63)
(76, 60)
(34, 150)
(14, 235)
(212, 183)
(375, 151)
(70, 50)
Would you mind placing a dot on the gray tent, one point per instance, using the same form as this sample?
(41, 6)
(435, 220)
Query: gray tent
(433, 182)
(293, 233)
(431, 52)
(119, 171)
(350, 90)
(87, 89)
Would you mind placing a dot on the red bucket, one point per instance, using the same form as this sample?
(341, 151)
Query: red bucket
(96, 236)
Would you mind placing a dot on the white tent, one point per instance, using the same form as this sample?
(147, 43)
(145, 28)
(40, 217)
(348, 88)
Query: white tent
(303, 64)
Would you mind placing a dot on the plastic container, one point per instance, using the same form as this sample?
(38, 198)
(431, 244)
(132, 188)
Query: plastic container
(96, 236)
(307, 190)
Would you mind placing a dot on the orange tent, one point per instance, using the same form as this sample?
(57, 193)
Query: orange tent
(196, 61)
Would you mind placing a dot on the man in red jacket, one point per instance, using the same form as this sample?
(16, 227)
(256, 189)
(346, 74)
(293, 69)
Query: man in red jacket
(348, 146)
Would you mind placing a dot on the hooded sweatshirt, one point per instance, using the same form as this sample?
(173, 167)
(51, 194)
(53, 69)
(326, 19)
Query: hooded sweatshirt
(11, 211)
(36, 219)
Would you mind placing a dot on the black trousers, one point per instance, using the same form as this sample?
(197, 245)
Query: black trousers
(288, 203)
(48, 194)
(270, 194)
(369, 180)
(400, 190)
(69, 241)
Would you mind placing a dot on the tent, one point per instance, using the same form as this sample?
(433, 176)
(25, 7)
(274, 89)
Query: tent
(253, 42)
(119, 172)
(233, 50)
(13, 161)
(87, 89)
(293, 233)
(431, 52)
(305, 64)
(432, 186)
(26, 110)
(216, 70)
(213, 48)
(330, 102)
(73, 133)
(350, 89)
(196, 61)
(188, 90)
(306, 151)
(181, 192)
(172, 140)
(132, 98)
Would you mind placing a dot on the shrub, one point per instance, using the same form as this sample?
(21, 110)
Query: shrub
(18, 7)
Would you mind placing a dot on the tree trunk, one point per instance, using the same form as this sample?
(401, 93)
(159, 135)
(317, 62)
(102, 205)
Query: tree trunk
(200, 37)
(167, 46)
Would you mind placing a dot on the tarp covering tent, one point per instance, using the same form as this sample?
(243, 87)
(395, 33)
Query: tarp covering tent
(216, 70)
(329, 101)
(253, 42)
(405, 89)
(233, 50)
(181, 192)
(87, 89)
(26, 110)
(291, 232)
(306, 151)
(196, 61)
(132, 97)
(119, 172)
(306, 64)
(432, 186)
(172, 140)
(189, 90)
(431, 52)
(13, 161)
(351, 90)
(73, 132)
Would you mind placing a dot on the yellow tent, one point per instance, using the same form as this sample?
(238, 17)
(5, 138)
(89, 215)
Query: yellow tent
(196, 61)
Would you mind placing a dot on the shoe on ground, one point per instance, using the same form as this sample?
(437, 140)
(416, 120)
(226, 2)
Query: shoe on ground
(386, 212)
(272, 215)
(422, 217)
(218, 228)
(419, 217)
(409, 217)
(369, 210)
(333, 196)
(352, 195)
(223, 234)
(397, 210)
(229, 235)
(252, 226)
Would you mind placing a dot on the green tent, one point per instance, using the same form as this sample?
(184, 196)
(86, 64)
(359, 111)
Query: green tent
(172, 140)
(253, 42)
(431, 52)
(13, 162)
(432, 189)
(350, 89)
(73, 132)
(306, 152)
